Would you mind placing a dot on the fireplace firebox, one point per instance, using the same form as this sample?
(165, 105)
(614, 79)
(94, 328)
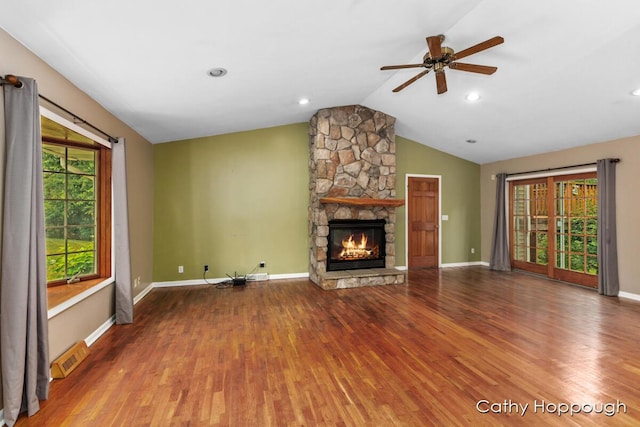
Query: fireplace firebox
(356, 244)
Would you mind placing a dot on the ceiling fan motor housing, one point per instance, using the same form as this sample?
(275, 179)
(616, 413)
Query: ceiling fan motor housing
(446, 58)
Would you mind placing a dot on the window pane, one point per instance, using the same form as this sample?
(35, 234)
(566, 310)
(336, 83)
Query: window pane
(81, 263)
(81, 213)
(592, 245)
(542, 257)
(55, 241)
(522, 224)
(542, 240)
(53, 158)
(592, 226)
(54, 185)
(56, 267)
(576, 262)
(592, 265)
(81, 187)
(54, 213)
(81, 161)
(577, 244)
(577, 226)
(80, 238)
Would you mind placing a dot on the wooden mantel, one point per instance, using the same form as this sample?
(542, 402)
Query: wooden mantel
(363, 201)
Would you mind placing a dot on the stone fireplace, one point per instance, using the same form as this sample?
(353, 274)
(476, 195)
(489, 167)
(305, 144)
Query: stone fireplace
(352, 170)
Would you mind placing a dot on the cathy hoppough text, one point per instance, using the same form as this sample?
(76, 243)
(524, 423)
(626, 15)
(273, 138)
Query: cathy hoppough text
(543, 407)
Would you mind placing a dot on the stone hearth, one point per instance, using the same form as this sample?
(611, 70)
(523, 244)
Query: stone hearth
(352, 169)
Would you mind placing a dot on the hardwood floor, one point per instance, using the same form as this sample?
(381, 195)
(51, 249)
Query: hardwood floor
(437, 351)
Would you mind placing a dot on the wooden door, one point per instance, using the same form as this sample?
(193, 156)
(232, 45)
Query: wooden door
(423, 213)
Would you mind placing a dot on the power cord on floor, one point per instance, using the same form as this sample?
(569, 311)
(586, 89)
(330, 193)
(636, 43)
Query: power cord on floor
(220, 285)
(229, 283)
(232, 279)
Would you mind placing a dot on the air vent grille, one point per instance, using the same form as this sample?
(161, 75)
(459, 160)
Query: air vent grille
(65, 364)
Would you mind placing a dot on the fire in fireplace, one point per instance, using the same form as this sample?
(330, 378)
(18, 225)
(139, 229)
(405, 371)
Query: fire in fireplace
(356, 244)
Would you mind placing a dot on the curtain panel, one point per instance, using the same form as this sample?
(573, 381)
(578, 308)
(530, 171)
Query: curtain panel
(500, 258)
(122, 273)
(24, 340)
(608, 283)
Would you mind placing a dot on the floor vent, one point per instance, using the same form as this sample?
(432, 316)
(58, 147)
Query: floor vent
(65, 364)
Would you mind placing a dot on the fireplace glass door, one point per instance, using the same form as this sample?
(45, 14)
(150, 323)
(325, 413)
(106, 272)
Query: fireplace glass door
(356, 244)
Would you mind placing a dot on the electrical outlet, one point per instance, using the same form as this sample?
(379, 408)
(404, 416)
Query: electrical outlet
(473, 250)
(262, 264)
(181, 269)
(206, 268)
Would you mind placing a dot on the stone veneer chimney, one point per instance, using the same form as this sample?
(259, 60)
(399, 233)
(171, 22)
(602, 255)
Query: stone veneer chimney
(352, 156)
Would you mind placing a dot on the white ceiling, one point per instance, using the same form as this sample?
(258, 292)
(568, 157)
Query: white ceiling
(565, 71)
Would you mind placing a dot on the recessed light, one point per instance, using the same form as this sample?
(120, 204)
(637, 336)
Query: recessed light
(636, 92)
(471, 141)
(303, 101)
(217, 72)
(472, 97)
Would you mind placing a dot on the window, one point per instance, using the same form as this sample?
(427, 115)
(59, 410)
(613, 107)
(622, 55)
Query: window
(554, 226)
(77, 193)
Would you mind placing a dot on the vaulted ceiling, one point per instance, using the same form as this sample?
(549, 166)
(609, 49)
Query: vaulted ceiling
(565, 71)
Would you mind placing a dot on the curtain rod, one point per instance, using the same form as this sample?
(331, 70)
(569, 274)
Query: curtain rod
(561, 167)
(10, 79)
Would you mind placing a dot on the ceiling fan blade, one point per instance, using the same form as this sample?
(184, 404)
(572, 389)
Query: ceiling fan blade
(473, 68)
(397, 67)
(441, 82)
(479, 47)
(411, 80)
(435, 46)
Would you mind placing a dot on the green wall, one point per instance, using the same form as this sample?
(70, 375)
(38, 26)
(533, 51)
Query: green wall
(234, 200)
(460, 181)
(231, 201)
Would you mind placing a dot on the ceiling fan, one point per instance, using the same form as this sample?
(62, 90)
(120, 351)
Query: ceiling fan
(440, 56)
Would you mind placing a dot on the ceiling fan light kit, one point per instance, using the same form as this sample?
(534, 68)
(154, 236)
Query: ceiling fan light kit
(438, 57)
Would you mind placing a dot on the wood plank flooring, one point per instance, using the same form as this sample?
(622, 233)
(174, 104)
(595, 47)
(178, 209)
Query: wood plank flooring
(436, 351)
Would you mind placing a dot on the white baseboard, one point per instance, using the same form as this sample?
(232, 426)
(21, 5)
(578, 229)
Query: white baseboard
(93, 337)
(288, 276)
(461, 264)
(629, 295)
(142, 294)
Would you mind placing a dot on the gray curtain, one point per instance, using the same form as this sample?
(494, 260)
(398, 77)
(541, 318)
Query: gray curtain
(607, 242)
(24, 339)
(500, 259)
(124, 298)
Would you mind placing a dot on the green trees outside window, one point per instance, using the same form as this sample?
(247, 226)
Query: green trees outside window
(70, 194)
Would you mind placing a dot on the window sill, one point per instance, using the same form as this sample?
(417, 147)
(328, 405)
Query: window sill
(61, 298)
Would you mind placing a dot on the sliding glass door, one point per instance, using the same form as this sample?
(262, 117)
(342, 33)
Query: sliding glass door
(554, 227)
